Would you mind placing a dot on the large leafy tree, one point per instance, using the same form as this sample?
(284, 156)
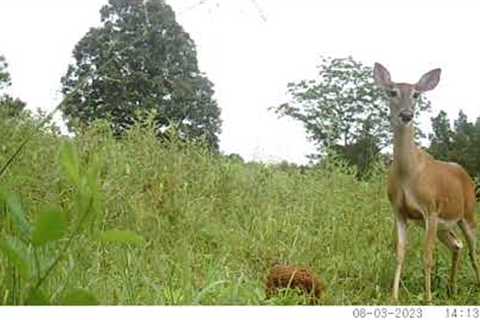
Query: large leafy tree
(343, 110)
(140, 60)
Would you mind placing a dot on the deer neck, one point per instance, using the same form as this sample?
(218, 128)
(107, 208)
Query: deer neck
(406, 160)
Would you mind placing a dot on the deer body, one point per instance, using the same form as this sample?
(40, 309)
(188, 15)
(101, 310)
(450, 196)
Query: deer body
(438, 195)
(410, 189)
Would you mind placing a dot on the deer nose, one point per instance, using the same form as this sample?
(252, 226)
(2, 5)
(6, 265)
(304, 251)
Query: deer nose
(406, 116)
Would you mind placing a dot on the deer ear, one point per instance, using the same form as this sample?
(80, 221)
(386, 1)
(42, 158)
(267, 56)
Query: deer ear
(429, 80)
(381, 75)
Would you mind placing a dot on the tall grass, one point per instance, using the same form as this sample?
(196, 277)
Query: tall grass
(212, 227)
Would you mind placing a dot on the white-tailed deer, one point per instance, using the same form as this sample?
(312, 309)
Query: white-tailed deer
(437, 194)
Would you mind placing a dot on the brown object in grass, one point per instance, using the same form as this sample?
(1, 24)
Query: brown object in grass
(283, 277)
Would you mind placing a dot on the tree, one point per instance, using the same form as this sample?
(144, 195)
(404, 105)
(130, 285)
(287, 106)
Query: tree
(462, 125)
(465, 144)
(343, 110)
(140, 60)
(461, 145)
(362, 153)
(441, 138)
(462, 139)
(4, 74)
(9, 106)
(235, 157)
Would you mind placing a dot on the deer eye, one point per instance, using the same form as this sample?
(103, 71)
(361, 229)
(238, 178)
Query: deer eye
(392, 93)
(415, 95)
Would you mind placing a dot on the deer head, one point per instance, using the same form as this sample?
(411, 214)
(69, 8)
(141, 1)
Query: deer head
(403, 96)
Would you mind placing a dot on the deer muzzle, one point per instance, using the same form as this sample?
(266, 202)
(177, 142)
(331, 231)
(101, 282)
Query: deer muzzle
(406, 116)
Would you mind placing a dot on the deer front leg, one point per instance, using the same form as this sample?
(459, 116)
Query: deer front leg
(431, 235)
(401, 246)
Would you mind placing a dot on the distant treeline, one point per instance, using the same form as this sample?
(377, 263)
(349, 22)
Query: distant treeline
(460, 144)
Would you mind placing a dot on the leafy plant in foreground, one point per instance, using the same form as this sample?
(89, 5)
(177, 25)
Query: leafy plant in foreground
(34, 250)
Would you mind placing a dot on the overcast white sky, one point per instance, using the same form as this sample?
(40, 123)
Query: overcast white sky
(250, 60)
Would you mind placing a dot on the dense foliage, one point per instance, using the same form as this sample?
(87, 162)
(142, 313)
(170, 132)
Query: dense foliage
(9, 106)
(4, 74)
(460, 144)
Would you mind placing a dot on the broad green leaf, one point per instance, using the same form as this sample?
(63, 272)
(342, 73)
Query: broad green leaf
(121, 237)
(70, 163)
(37, 298)
(79, 297)
(16, 213)
(16, 256)
(50, 226)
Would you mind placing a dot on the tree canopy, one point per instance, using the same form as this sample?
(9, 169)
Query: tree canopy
(9, 106)
(460, 144)
(140, 60)
(4, 74)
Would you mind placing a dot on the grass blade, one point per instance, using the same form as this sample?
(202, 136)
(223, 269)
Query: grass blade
(16, 213)
(17, 257)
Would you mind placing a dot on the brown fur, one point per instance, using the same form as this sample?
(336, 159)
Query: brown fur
(283, 277)
(441, 187)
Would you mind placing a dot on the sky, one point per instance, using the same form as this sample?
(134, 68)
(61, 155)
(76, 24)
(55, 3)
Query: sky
(251, 49)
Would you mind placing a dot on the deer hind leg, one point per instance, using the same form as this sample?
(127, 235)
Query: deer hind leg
(431, 224)
(450, 240)
(469, 231)
(401, 246)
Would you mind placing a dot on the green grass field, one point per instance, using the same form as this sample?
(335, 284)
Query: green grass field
(211, 227)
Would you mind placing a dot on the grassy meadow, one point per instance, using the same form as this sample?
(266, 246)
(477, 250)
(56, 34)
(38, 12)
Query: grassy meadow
(204, 229)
